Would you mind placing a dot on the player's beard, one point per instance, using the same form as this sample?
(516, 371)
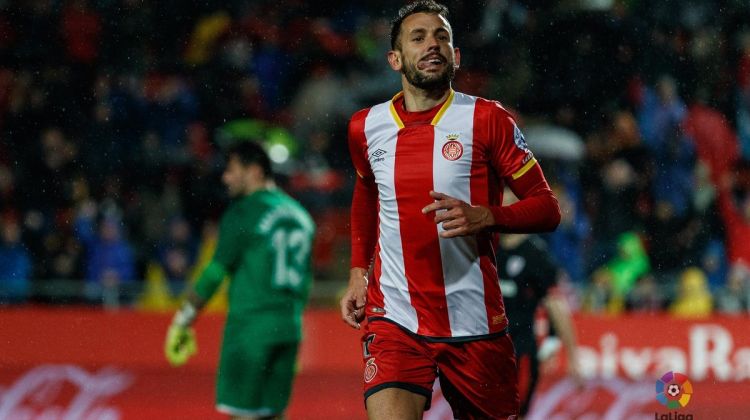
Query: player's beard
(429, 81)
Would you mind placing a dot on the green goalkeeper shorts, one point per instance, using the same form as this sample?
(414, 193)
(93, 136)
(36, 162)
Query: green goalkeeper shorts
(255, 379)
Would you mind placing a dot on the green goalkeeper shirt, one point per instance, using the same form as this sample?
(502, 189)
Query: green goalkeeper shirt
(264, 246)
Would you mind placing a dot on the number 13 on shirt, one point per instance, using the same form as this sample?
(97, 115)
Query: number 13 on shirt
(291, 250)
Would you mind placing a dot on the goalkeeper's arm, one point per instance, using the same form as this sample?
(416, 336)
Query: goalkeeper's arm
(180, 343)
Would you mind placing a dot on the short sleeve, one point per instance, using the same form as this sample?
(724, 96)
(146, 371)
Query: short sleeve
(509, 154)
(358, 144)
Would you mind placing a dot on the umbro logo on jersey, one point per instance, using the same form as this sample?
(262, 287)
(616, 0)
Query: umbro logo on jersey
(379, 155)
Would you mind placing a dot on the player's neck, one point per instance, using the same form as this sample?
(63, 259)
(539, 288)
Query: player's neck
(262, 185)
(416, 99)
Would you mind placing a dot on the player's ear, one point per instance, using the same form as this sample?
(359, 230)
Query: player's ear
(254, 171)
(457, 53)
(394, 59)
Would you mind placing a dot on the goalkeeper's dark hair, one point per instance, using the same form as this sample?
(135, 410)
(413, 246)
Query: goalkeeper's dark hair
(251, 152)
(420, 6)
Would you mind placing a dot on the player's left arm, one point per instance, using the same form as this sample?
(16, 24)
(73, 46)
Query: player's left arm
(537, 209)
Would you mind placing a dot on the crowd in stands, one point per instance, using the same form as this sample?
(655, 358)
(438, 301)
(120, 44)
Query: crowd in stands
(114, 114)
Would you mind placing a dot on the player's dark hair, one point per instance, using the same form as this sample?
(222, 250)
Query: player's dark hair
(251, 152)
(420, 6)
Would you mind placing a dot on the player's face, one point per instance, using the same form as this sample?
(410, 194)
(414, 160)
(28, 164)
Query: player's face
(235, 177)
(426, 56)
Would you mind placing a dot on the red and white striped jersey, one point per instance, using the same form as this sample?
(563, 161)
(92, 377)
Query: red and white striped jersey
(444, 288)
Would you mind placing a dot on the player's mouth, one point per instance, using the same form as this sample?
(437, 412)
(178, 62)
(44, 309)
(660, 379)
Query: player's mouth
(432, 62)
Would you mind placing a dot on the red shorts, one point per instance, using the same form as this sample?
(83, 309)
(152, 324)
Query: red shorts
(478, 378)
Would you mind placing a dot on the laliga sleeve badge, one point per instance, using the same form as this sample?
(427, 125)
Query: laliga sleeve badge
(519, 139)
(371, 369)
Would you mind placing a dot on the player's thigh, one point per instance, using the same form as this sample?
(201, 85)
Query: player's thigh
(242, 370)
(398, 371)
(479, 378)
(395, 403)
(279, 375)
(255, 376)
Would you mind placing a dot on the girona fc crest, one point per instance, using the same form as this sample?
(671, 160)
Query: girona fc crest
(453, 150)
(371, 369)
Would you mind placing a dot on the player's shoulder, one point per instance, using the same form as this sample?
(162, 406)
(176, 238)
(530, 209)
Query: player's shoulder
(357, 123)
(283, 206)
(240, 207)
(494, 110)
(360, 115)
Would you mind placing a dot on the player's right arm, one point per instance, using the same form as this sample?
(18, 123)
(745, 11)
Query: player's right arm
(363, 224)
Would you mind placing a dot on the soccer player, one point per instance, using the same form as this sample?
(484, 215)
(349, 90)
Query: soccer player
(264, 244)
(431, 165)
(528, 277)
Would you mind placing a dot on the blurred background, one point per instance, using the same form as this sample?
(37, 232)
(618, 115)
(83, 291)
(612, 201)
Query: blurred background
(114, 115)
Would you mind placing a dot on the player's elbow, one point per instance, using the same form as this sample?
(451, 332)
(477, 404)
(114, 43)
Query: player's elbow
(553, 214)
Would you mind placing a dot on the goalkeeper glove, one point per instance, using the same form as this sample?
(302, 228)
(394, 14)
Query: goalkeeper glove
(180, 343)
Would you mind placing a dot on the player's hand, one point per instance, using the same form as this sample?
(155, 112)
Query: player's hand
(355, 298)
(459, 218)
(574, 372)
(179, 345)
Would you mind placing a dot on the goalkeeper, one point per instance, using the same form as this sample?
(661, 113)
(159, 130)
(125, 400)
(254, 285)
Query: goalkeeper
(264, 244)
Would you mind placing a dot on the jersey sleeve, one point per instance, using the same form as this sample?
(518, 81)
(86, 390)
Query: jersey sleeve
(537, 209)
(365, 199)
(228, 251)
(510, 155)
(358, 144)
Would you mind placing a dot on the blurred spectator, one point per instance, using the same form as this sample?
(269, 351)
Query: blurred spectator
(110, 267)
(617, 175)
(714, 264)
(693, 297)
(630, 263)
(672, 151)
(734, 207)
(82, 30)
(15, 263)
(568, 241)
(598, 297)
(320, 101)
(646, 296)
(177, 254)
(734, 297)
(743, 94)
(7, 188)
